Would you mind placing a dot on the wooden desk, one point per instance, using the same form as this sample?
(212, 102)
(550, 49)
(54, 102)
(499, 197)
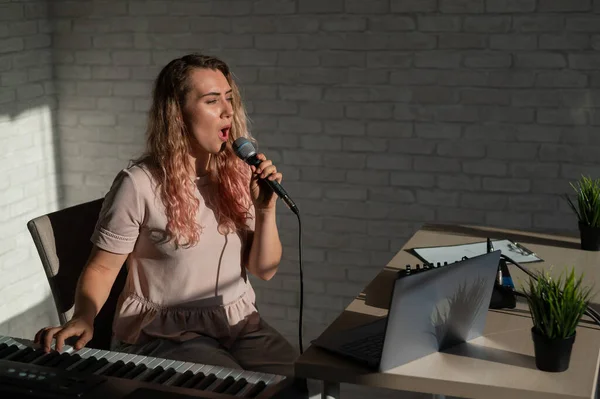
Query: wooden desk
(499, 364)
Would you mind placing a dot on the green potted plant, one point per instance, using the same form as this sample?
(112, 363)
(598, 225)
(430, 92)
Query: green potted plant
(556, 306)
(587, 211)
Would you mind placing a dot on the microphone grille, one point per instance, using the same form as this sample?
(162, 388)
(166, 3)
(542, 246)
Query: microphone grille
(243, 148)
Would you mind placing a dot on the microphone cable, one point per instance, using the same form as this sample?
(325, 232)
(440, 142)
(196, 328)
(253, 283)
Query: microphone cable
(245, 150)
(301, 281)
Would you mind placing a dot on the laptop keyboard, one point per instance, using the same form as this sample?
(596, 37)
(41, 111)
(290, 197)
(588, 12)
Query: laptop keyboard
(368, 347)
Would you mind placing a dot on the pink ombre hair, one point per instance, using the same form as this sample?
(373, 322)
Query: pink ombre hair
(167, 152)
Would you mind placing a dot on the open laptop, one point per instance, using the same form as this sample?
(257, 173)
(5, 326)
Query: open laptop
(429, 311)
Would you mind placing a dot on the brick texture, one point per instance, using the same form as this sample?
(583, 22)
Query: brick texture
(30, 184)
(380, 117)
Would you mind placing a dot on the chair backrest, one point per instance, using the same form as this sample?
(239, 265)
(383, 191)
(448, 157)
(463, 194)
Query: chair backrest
(62, 239)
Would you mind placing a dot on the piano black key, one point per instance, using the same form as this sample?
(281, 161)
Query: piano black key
(57, 359)
(182, 378)
(46, 358)
(220, 380)
(164, 376)
(97, 366)
(206, 382)
(84, 364)
(124, 370)
(194, 380)
(17, 356)
(226, 383)
(152, 374)
(113, 368)
(8, 351)
(137, 370)
(33, 355)
(69, 361)
(236, 387)
(256, 389)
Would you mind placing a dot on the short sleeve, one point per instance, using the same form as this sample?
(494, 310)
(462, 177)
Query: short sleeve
(120, 219)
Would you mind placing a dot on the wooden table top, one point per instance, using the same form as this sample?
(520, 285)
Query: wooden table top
(499, 364)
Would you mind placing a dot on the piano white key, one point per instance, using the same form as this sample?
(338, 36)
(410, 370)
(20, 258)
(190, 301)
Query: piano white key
(127, 358)
(163, 362)
(176, 365)
(262, 377)
(138, 359)
(80, 352)
(90, 353)
(53, 347)
(11, 342)
(110, 357)
(204, 368)
(268, 378)
(68, 349)
(195, 367)
(167, 364)
(237, 373)
(26, 342)
(252, 377)
(113, 357)
(101, 354)
(185, 367)
(152, 362)
(159, 363)
(223, 373)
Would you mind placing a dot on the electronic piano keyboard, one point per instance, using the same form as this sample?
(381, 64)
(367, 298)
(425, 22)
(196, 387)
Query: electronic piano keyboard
(27, 372)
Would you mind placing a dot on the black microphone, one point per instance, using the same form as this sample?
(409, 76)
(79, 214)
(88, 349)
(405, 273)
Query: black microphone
(244, 149)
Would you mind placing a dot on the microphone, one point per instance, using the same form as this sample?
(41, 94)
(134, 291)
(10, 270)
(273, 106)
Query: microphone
(244, 149)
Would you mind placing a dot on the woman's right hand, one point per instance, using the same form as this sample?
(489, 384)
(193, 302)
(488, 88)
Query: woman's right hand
(76, 327)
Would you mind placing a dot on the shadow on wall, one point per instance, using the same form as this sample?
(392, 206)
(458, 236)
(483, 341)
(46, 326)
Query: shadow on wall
(30, 160)
(26, 324)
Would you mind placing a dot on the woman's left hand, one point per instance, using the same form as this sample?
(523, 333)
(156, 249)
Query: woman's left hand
(262, 195)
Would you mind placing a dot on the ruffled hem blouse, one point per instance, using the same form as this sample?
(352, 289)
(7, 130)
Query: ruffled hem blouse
(174, 293)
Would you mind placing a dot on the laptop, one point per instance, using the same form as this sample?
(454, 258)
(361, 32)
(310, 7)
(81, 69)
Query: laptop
(431, 310)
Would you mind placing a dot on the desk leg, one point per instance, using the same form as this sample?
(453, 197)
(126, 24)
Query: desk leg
(331, 390)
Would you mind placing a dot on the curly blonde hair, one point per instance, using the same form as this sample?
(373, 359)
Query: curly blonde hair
(168, 147)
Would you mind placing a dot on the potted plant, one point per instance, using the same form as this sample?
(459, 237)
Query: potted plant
(556, 306)
(587, 211)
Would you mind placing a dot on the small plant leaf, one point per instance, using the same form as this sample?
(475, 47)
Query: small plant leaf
(557, 305)
(587, 192)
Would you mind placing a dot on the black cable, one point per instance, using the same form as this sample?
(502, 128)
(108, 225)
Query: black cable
(301, 281)
(591, 312)
(514, 262)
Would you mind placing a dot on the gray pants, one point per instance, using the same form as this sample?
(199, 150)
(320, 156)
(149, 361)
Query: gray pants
(264, 350)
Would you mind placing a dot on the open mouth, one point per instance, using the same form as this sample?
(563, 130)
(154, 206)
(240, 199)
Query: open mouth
(224, 133)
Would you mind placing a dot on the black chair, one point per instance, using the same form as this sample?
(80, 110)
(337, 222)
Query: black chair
(62, 239)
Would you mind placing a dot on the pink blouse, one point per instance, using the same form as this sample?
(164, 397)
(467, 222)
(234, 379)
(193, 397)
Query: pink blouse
(173, 293)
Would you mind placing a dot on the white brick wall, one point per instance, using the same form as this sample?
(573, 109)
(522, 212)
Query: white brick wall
(381, 114)
(29, 183)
